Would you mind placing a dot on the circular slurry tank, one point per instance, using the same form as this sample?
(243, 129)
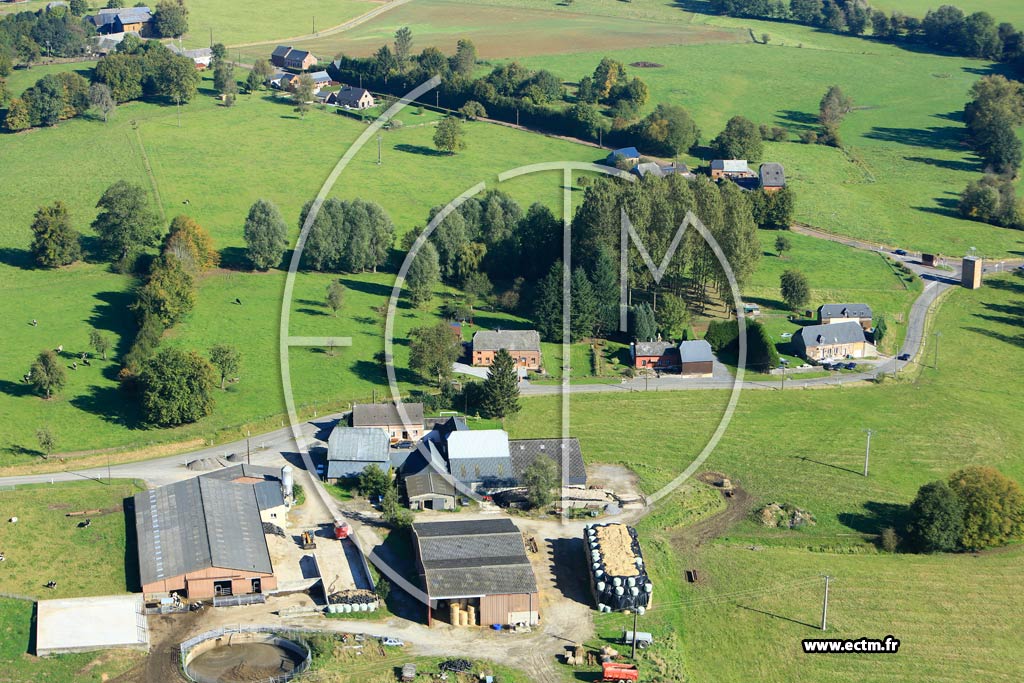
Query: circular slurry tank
(243, 657)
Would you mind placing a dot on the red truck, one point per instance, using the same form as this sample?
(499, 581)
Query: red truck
(616, 671)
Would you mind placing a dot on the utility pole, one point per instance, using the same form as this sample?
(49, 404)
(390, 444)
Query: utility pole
(314, 23)
(211, 36)
(633, 655)
(867, 452)
(379, 143)
(824, 606)
(937, 335)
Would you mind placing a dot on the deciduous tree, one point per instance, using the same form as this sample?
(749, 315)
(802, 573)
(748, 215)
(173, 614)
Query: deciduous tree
(795, 289)
(540, 479)
(993, 507)
(54, 242)
(936, 519)
(335, 296)
(125, 223)
(423, 275)
(176, 387)
(432, 350)
(47, 374)
(227, 359)
(449, 136)
(265, 232)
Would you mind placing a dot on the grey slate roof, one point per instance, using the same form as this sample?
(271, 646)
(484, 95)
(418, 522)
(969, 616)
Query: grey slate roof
(197, 524)
(849, 332)
(358, 444)
(127, 15)
(320, 77)
(844, 311)
(772, 175)
(245, 470)
(383, 414)
(624, 152)
(652, 348)
(348, 96)
(481, 456)
(473, 558)
(268, 494)
(565, 453)
(281, 51)
(422, 479)
(696, 351)
(510, 340)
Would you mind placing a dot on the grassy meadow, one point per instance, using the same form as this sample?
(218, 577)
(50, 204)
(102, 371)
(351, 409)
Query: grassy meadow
(511, 30)
(956, 615)
(47, 545)
(235, 24)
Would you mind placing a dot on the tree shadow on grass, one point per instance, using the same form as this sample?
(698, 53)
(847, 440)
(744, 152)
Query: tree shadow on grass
(373, 288)
(314, 312)
(420, 149)
(798, 120)
(951, 164)
(1015, 286)
(947, 206)
(1015, 340)
(110, 404)
(234, 258)
(875, 517)
(935, 137)
(114, 315)
(16, 258)
(15, 388)
(371, 371)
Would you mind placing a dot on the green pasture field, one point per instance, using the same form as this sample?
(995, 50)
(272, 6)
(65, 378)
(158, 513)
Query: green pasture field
(1001, 10)
(220, 161)
(235, 24)
(46, 545)
(21, 79)
(516, 30)
(760, 590)
(21, 666)
(906, 158)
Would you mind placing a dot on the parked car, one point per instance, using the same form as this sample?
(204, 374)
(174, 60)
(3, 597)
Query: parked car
(403, 444)
(388, 641)
(850, 366)
(903, 356)
(900, 252)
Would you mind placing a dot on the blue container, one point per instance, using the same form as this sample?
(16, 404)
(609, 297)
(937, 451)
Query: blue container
(496, 627)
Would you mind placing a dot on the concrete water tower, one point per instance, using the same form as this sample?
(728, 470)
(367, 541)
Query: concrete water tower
(971, 269)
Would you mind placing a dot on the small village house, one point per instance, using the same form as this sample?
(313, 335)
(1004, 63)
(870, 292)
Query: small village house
(201, 57)
(386, 416)
(657, 355)
(662, 170)
(624, 156)
(428, 486)
(352, 98)
(838, 313)
(285, 57)
(480, 458)
(350, 450)
(123, 20)
(833, 341)
(772, 176)
(731, 168)
(522, 345)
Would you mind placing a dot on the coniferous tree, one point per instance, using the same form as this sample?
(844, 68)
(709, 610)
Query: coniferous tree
(500, 392)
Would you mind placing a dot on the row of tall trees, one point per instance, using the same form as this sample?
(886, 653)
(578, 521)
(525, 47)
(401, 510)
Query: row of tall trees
(147, 69)
(656, 207)
(347, 235)
(992, 116)
(946, 29)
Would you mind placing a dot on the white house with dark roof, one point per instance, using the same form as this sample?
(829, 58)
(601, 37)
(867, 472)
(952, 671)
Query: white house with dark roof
(352, 98)
(834, 341)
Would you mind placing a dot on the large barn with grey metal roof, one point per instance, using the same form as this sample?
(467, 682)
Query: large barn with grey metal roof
(204, 537)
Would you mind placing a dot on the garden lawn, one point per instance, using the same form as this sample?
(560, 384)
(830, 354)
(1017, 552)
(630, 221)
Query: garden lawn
(46, 545)
(21, 666)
